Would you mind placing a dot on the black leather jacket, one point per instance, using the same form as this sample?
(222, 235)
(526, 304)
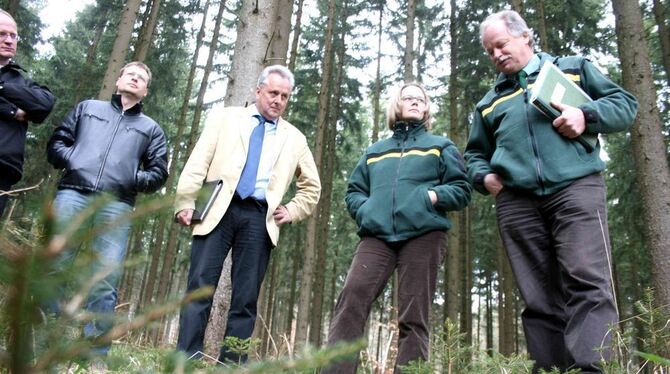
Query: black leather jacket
(104, 149)
(16, 92)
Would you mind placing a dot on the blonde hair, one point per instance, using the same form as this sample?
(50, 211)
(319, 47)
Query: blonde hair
(394, 109)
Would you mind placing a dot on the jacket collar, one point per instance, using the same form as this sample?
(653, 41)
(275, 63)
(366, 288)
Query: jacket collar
(504, 81)
(135, 110)
(13, 65)
(403, 129)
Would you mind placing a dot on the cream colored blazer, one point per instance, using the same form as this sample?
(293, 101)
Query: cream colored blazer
(221, 152)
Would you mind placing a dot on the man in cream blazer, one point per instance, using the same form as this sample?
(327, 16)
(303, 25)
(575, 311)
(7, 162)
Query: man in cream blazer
(256, 154)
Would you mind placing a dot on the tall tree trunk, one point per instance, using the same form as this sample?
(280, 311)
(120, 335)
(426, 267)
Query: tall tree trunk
(279, 46)
(147, 32)
(542, 26)
(297, 30)
(100, 27)
(120, 50)
(489, 313)
(213, 48)
(663, 35)
(408, 58)
(517, 6)
(649, 149)
(327, 183)
(175, 159)
(506, 302)
(254, 38)
(254, 30)
(150, 277)
(127, 284)
(271, 291)
(454, 252)
(311, 245)
(293, 284)
(466, 293)
(376, 118)
(12, 7)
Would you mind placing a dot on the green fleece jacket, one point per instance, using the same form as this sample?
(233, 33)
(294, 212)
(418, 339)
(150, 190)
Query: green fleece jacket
(387, 193)
(513, 139)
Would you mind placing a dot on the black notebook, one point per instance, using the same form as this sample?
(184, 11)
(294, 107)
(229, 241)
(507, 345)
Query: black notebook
(208, 193)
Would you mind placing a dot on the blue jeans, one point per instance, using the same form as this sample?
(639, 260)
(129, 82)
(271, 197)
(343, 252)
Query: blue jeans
(108, 248)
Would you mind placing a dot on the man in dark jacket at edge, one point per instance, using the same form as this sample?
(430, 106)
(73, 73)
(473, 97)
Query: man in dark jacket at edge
(550, 195)
(106, 148)
(21, 101)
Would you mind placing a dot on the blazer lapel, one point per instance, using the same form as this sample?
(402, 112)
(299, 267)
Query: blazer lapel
(243, 121)
(280, 139)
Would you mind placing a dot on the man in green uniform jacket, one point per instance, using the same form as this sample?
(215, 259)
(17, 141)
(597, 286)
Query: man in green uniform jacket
(550, 195)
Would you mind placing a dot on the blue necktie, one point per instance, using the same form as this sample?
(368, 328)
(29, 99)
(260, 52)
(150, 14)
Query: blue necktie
(247, 184)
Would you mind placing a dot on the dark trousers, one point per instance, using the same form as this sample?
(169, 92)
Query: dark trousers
(4, 187)
(558, 246)
(243, 229)
(417, 261)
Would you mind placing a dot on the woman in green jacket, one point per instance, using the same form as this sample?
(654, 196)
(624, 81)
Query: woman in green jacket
(399, 194)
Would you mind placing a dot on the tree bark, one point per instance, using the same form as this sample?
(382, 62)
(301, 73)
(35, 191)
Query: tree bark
(663, 36)
(175, 159)
(506, 301)
(327, 184)
(649, 149)
(454, 252)
(120, 50)
(310, 255)
(408, 58)
(489, 312)
(466, 292)
(150, 280)
(147, 32)
(12, 7)
(517, 6)
(376, 118)
(279, 46)
(295, 269)
(100, 27)
(254, 38)
(542, 26)
(213, 47)
(297, 30)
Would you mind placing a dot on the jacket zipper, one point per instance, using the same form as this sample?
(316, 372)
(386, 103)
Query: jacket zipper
(533, 141)
(109, 147)
(395, 180)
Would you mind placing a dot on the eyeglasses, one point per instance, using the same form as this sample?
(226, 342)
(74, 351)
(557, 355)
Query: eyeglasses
(412, 98)
(11, 35)
(137, 76)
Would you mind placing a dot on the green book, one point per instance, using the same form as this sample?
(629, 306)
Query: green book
(553, 85)
(206, 196)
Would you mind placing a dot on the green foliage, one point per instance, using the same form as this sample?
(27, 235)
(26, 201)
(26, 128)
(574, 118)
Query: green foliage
(656, 321)
(31, 278)
(240, 346)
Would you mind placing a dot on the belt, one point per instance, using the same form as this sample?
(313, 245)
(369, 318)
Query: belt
(250, 200)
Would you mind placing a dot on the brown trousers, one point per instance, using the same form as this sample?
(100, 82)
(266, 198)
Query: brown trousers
(558, 246)
(417, 261)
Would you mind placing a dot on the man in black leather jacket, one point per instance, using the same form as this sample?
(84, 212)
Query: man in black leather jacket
(21, 101)
(106, 148)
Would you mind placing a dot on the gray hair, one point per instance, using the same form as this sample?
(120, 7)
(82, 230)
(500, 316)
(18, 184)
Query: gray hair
(6, 13)
(276, 69)
(516, 25)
